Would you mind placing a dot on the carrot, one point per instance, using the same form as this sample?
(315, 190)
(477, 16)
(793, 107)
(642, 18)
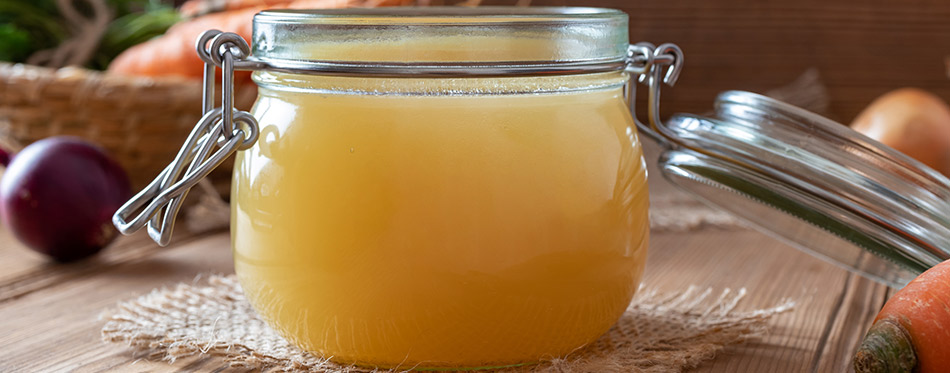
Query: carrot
(173, 54)
(195, 8)
(912, 331)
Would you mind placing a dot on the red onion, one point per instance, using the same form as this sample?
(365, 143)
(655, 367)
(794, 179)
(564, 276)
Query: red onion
(58, 196)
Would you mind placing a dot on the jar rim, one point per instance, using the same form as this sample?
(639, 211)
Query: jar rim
(443, 15)
(441, 41)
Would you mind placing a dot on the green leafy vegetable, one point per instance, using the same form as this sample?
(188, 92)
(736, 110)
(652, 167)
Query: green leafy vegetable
(15, 41)
(30, 26)
(32, 21)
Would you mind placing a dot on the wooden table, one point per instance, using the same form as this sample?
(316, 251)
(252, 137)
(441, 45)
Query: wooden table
(50, 314)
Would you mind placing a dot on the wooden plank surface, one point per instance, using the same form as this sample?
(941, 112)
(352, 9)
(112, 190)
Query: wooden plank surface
(56, 327)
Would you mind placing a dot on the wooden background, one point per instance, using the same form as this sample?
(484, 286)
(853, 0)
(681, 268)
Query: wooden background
(862, 49)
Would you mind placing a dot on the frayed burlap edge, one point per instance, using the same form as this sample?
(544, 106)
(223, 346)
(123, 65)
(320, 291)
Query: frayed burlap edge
(660, 331)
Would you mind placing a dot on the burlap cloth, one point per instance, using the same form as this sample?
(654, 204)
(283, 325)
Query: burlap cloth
(660, 332)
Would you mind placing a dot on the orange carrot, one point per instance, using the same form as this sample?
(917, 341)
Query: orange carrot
(195, 8)
(173, 54)
(912, 331)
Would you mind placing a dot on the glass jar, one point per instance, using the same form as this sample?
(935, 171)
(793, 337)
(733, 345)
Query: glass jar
(441, 221)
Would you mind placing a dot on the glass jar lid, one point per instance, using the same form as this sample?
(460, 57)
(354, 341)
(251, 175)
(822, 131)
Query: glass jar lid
(814, 183)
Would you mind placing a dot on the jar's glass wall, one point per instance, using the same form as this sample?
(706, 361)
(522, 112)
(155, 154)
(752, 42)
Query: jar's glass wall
(467, 229)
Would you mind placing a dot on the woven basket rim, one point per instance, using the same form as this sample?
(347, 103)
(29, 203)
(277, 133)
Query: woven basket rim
(19, 72)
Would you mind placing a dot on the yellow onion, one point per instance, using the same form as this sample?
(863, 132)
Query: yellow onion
(913, 121)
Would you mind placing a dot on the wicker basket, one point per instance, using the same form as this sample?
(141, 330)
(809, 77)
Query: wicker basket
(141, 122)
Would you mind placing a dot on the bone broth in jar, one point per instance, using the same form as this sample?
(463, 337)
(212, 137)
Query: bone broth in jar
(436, 187)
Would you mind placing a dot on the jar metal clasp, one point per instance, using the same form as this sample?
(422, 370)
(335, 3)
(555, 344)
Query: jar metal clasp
(220, 132)
(645, 63)
(223, 130)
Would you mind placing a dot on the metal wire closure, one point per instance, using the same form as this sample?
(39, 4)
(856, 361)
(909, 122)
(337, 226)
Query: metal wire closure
(646, 62)
(223, 128)
(228, 130)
